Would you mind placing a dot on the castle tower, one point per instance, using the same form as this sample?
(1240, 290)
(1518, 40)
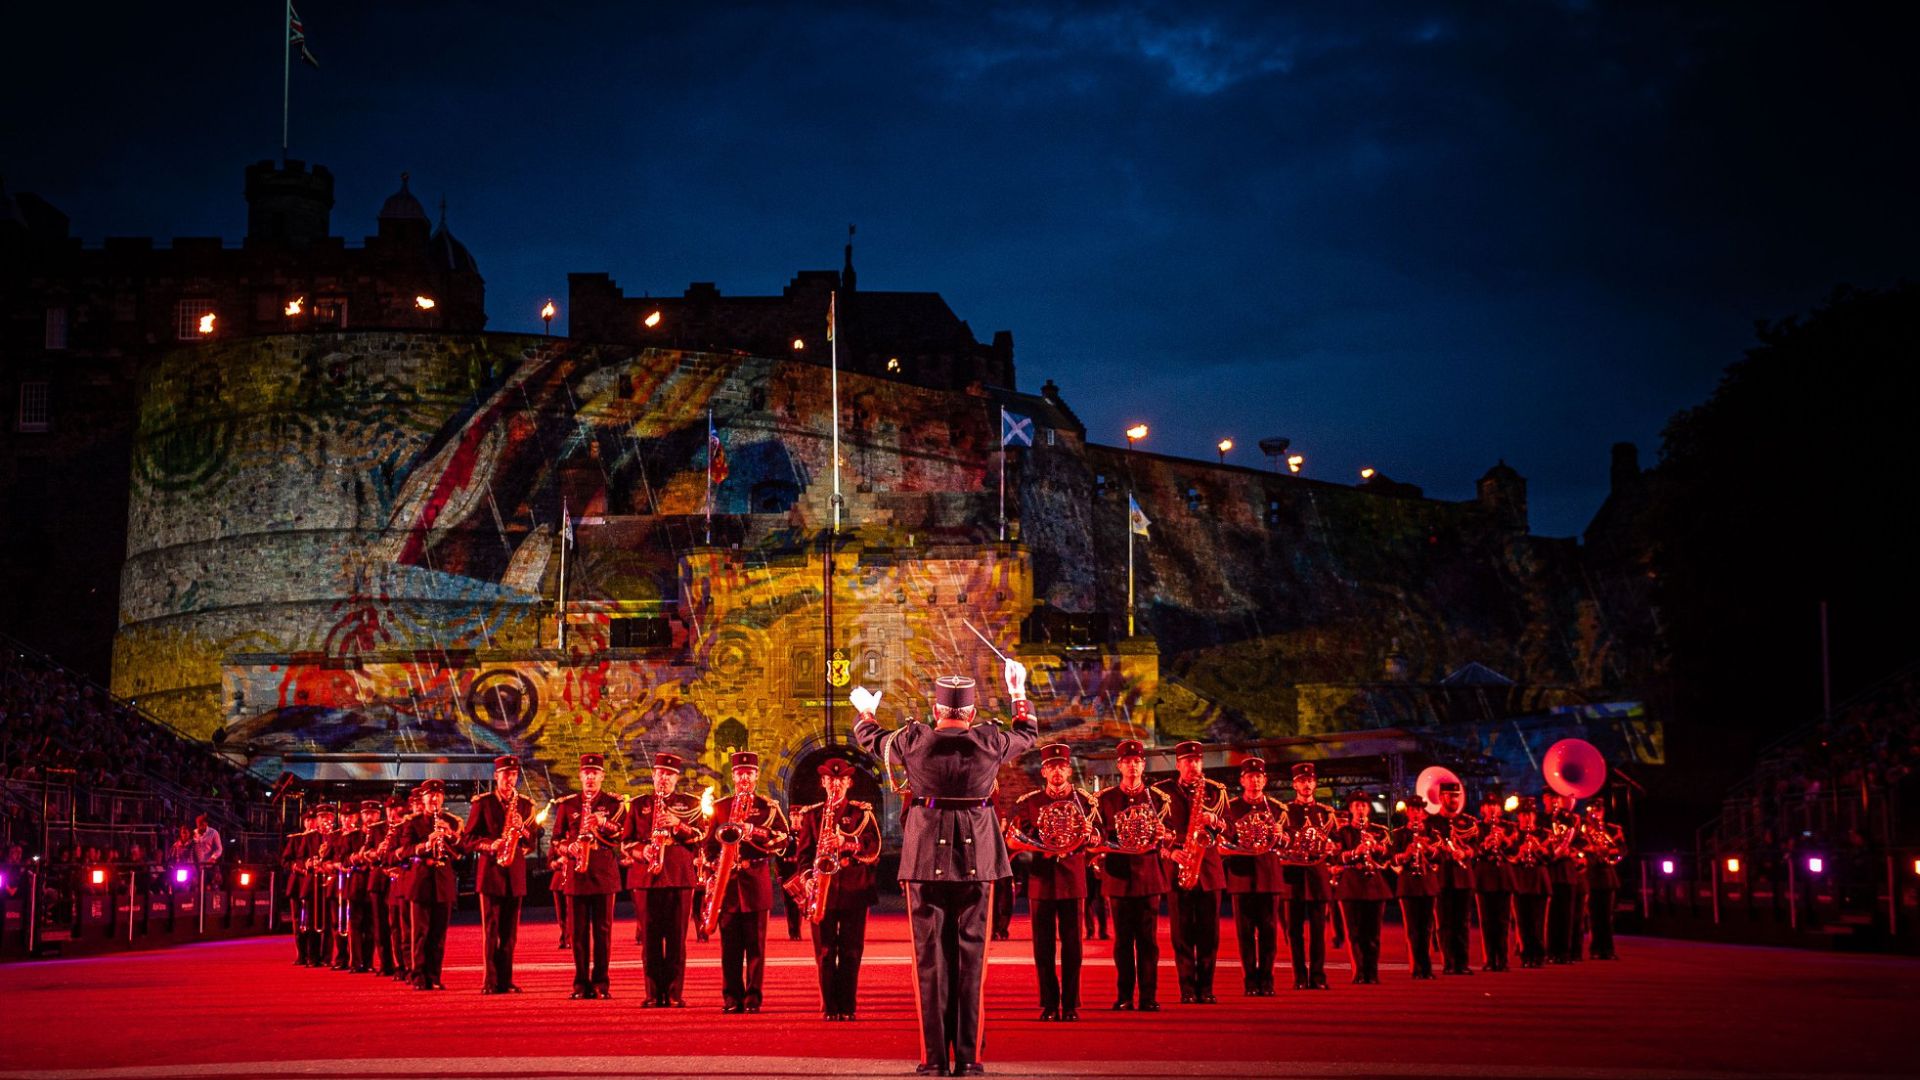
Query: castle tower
(286, 204)
(1502, 492)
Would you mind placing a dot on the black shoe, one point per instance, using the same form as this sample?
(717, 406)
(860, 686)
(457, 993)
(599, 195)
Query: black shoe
(649, 1003)
(1302, 984)
(601, 991)
(1123, 1005)
(930, 1070)
(1320, 982)
(753, 1008)
(1149, 1006)
(676, 1003)
(488, 990)
(1049, 1014)
(513, 989)
(731, 1008)
(580, 995)
(1209, 999)
(1187, 999)
(1069, 1014)
(976, 1069)
(1423, 974)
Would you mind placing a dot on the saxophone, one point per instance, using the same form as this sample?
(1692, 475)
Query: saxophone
(511, 832)
(1191, 855)
(811, 887)
(586, 838)
(729, 836)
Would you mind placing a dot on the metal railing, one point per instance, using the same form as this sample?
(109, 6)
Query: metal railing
(71, 908)
(1861, 898)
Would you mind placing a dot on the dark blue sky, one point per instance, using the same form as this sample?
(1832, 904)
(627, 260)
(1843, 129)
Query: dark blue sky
(1416, 236)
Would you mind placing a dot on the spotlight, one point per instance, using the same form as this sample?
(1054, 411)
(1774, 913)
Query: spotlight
(424, 303)
(1815, 864)
(294, 305)
(652, 320)
(1366, 473)
(799, 344)
(181, 875)
(246, 878)
(1733, 866)
(99, 877)
(1512, 804)
(1400, 807)
(206, 323)
(1666, 867)
(1295, 462)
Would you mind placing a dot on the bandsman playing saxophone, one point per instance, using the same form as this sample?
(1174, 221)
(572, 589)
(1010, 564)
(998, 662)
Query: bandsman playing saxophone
(501, 832)
(748, 830)
(1056, 823)
(835, 843)
(661, 832)
(1194, 807)
(1366, 851)
(1255, 877)
(586, 830)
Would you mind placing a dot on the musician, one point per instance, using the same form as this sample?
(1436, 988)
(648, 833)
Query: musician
(841, 837)
(323, 911)
(1055, 823)
(1455, 834)
(1194, 807)
(380, 883)
(1567, 868)
(1308, 885)
(1606, 843)
(361, 899)
(785, 869)
(500, 827)
(293, 856)
(1254, 880)
(745, 898)
(559, 870)
(586, 831)
(1418, 882)
(661, 831)
(1132, 824)
(431, 839)
(1493, 881)
(1366, 851)
(951, 852)
(1527, 868)
(400, 875)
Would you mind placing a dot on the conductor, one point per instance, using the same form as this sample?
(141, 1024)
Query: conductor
(951, 852)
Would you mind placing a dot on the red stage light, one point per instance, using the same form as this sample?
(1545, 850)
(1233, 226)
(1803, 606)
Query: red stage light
(246, 878)
(99, 877)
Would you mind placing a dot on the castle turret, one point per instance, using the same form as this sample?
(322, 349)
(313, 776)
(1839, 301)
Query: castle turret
(1502, 492)
(286, 204)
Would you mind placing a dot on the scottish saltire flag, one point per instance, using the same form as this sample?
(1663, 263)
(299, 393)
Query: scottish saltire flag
(566, 525)
(1136, 517)
(716, 455)
(297, 35)
(1015, 428)
(833, 300)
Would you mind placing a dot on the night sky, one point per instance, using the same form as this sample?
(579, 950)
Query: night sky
(1420, 236)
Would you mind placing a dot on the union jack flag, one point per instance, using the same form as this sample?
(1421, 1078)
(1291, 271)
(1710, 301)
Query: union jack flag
(297, 35)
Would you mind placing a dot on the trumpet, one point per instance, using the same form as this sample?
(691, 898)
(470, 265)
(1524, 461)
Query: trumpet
(1530, 852)
(1602, 845)
(440, 844)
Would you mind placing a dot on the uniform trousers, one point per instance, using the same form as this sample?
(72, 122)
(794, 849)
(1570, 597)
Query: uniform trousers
(1454, 909)
(1600, 915)
(1530, 911)
(430, 919)
(743, 957)
(1136, 945)
(1363, 936)
(1416, 912)
(500, 931)
(665, 947)
(591, 935)
(949, 921)
(1495, 925)
(1196, 939)
(839, 940)
(1256, 922)
(1307, 940)
(1057, 921)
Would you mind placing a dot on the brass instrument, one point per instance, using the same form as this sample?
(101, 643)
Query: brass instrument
(1602, 845)
(440, 844)
(811, 887)
(587, 838)
(1419, 851)
(1255, 832)
(1310, 845)
(1371, 852)
(1560, 842)
(1061, 827)
(1531, 851)
(506, 847)
(1493, 840)
(1137, 830)
(1459, 845)
(1191, 855)
(729, 835)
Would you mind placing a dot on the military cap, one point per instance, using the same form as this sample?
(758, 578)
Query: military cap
(664, 760)
(1449, 785)
(396, 801)
(506, 761)
(1492, 795)
(1056, 752)
(953, 691)
(835, 767)
(323, 809)
(1529, 805)
(1358, 795)
(1186, 749)
(744, 759)
(369, 804)
(435, 786)
(1129, 748)
(1303, 768)
(1254, 764)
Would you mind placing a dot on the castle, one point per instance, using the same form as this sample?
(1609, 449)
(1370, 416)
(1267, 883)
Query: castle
(346, 542)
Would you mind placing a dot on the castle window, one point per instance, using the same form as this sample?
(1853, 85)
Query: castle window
(1100, 485)
(34, 413)
(1273, 511)
(1193, 498)
(56, 328)
(329, 311)
(1049, 436)
(186, 318)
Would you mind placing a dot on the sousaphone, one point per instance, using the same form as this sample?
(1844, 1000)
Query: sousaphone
(1574, 768)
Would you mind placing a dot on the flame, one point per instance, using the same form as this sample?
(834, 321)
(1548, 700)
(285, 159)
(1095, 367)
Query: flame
(1226, 445)
(424, 303)
(1295, 462)
(1137, 431)
(206, 323)
(549, 311)
(545, 811)
(706, 802)
(1367, 474)
(652, 320)
(294, 305)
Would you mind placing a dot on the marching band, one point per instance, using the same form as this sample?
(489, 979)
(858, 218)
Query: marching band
(371, 886)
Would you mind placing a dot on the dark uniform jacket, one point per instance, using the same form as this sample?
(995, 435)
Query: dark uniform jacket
(860, 848)
(293, 856)
(486, 820)
(373, 860)
(750, 886)
(1363, 877)
(1252, 873)
(399, 865)
(1490, 871)
(1571, 870)
(570, 816)
(432, 880)
(1415, 877)
(358, 883)
(1315, 881)
(681, 817)
(1050, 877)
(1600, 875)
(1449, 872)
(1132, 875)
(960, 844)
(1179, 798)
(1527, 880)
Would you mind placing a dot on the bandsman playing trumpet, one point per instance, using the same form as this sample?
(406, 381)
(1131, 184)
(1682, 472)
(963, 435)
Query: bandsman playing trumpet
(1493, 881)
(431, 839)
(293, 862)
(661, 832)
(501, 831)
(1133, 825)
(1527, 867)
(1056, 823)
(748, 830)
(1567, 867)
(1606, 845)
(1366, 851)
(1307, 858)
(1456, 835)
(586, 828)
(1194, 807)
(1255, 877)
(835, 843)
(1416, 860)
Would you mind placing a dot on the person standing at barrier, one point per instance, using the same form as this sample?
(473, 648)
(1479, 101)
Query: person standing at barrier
(951, 852)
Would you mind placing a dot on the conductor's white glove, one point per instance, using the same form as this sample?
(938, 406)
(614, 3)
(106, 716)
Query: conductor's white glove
(1016, 679)
(864, 701)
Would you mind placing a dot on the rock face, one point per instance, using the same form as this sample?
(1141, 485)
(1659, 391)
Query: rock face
(351, 542)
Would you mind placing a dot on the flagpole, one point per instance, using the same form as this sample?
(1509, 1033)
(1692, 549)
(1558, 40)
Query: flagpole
(1003, 474)
(833, 341)
(709, 477)
(561, 629)
(286, 78)
(1129, 562)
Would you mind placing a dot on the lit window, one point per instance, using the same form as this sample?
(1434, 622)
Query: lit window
(33, 407)
(186, 318)
(329, 311)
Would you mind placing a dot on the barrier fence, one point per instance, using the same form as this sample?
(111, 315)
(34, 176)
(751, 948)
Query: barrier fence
(1866, 899)
(83, 909)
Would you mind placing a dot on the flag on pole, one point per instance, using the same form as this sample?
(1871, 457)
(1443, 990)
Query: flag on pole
(716, 455)
(1015, 428)
(566, 525)
(832, 300)
(297, 35)
(1136, 517)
